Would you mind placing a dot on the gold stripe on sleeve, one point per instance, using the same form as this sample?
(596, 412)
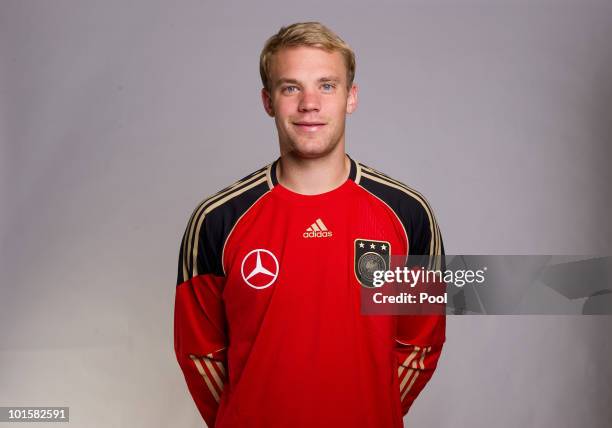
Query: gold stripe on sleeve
(434, 245)
(209, 384)
(191, 256)
(188, 239)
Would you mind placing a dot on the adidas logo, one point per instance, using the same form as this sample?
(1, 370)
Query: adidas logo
(317, 230)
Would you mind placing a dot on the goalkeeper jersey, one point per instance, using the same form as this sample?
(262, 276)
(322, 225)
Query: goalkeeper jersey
(268, 329)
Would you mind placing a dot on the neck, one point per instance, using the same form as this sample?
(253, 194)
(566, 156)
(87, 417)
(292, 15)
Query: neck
(312, 176)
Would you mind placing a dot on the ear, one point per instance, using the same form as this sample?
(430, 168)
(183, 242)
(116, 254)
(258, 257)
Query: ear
(351, 101)
(266, 98)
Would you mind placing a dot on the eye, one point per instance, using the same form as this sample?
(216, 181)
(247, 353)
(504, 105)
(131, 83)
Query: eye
(289, 89)
(328, 87)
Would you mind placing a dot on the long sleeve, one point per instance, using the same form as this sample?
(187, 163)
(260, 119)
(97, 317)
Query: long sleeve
(199, 321)
(420, 338)
(418, 347)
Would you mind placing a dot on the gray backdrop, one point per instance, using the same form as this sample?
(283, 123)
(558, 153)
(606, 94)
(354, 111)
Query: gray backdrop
(117, 117)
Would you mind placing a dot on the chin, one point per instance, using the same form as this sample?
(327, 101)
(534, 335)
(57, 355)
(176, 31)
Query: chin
(312, 150)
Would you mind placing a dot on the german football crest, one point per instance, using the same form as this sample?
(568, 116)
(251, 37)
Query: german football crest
(370, 256)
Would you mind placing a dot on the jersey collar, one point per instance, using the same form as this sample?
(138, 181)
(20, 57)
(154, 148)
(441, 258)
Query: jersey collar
(352, 173)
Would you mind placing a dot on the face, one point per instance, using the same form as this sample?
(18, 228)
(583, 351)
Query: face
(309, 100)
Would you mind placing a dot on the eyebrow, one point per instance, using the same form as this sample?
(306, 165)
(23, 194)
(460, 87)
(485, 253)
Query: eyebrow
(320, 80)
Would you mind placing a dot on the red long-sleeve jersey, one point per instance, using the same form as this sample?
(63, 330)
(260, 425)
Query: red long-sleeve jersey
(268, 328)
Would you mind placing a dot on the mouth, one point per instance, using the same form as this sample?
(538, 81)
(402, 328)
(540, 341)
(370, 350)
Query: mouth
(309, 126)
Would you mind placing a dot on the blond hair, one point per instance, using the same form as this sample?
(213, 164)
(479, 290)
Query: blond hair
(312, 34)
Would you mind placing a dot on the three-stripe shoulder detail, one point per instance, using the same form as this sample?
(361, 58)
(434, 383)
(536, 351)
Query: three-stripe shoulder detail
(435, 248)
(189, 245)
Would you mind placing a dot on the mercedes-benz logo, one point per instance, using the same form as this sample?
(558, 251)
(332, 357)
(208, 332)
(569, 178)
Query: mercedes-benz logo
(262, 268)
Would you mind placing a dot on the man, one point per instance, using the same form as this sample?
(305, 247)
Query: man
(268, 327)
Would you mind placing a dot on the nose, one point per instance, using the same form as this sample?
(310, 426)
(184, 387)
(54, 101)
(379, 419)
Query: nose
(309, 101)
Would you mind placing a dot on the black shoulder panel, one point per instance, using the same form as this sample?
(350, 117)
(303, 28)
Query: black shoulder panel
(410, 206)
(212, 221)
